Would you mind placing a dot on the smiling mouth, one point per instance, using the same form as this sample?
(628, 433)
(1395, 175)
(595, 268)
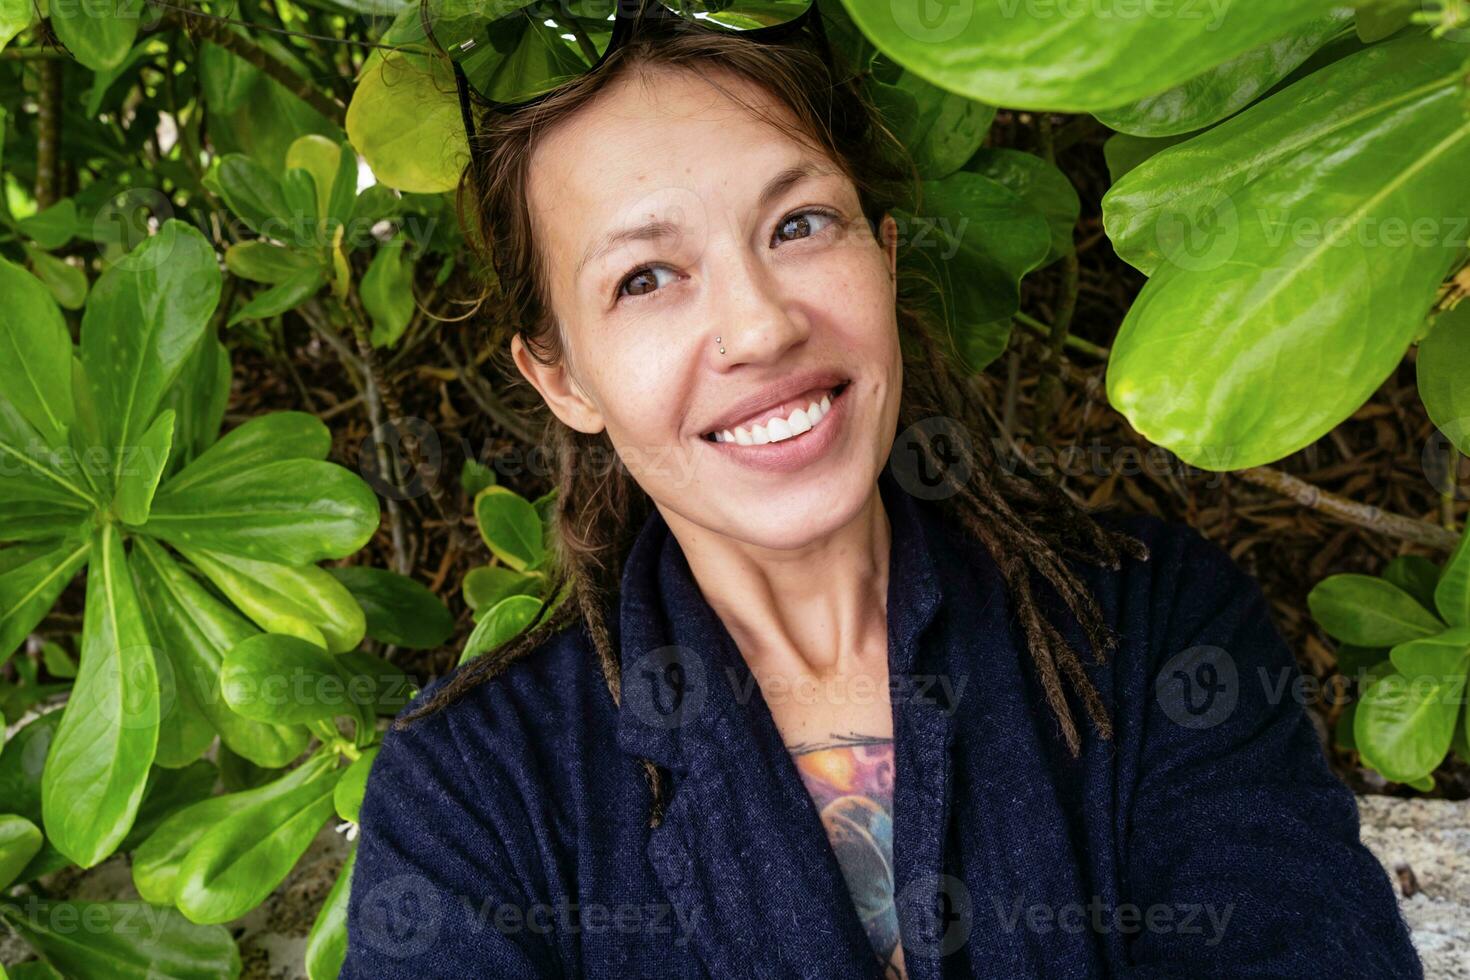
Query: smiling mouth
(779, 428)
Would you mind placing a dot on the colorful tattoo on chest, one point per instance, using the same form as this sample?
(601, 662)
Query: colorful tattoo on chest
(850, 779)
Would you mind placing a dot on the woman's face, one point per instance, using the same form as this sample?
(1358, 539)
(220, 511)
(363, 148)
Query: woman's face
(673, 223)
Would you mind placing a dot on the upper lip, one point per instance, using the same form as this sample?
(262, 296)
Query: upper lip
(771, 396)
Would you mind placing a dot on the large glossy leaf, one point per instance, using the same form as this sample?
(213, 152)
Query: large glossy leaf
(196, 630)
(347, 798)
(1160, 213)
(509, 526)
(35, 354)
(291, 293)
(242, 859)
(260, 440)
(1070, 57)
(940, 129)
(261, 261)
(23, 762)
(299, 600)
(1229, 86)
(98, 766)
(138, 478)
(1368, 611)
(483, 587)
(254, 193)
(168, 792)
(326, 945)
(157, 860)
(99, 36)
(1405, 722)
(398, 609)
(1452, 591)
(277, 678)
(198, 399)
(28, 591)
(1039, 184)
(1332, 259)
(1443, 365)
(146, 316)
(294, 511)
(125, 941)
(184, 728)
(405, 121)
(975, 238)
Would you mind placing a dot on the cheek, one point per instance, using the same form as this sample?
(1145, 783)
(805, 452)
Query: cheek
(640, 393)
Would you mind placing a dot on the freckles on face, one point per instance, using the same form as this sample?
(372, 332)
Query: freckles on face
(665, 221)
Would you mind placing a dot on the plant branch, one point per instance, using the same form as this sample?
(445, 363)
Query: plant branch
(220, 32)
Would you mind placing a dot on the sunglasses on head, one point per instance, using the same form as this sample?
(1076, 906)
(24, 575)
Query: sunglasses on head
(508, 55)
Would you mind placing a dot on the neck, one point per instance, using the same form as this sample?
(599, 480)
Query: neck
(818, 611)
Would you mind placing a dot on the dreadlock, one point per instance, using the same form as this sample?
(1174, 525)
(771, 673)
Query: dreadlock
(1023, 518)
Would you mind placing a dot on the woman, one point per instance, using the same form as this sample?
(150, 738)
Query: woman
(814, 706)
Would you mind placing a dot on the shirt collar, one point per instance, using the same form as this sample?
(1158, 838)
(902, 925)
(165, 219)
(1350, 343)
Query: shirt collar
(684, 680)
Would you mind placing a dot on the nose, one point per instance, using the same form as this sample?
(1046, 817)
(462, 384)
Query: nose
(754, 311)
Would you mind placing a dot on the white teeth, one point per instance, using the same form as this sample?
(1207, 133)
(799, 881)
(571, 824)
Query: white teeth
(778, 429)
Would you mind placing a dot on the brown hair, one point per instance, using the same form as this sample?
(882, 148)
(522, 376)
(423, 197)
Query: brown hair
(1026, 522)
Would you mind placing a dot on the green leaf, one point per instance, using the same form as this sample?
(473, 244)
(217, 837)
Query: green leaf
(19, 841)
(58, 662)
(198, 397)
(322, 159)
(290, 294)
(326, 945)
(1229, 86)
(1039, 184)
(294, 511)
(29, 590)
(1416, 575)
(300, 192)
(506, 619)
(67, 283)
(38, 479)
(227, 80)
(1123, 152)
(398, 609)
(15, 16)
(391, 689)
(940, 129)
(1452, 592)
(147, 315)
(1157, 214)
(1067, 57)
(168, 792)
(185, 729)
(35, 354)
(261, 261)
(299, 600)
(353, 785)
(510, 527)
(387, 292)
(1405, 722)
(254, 194)
(98, 37)
(272, 677)
(99, 761)
(404, 119)
(976, 238)
(1369, 611)
(53, 227)
(255, 442)
(1378, 19)
(125, 941)
(23, 762)
(138, 478)
(1442, 366)
(475, 476)
(240, 860)
(1329, 251)
(486, 585)
(195, 631)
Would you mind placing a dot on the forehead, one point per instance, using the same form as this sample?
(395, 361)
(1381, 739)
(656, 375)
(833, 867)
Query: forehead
(648, 134)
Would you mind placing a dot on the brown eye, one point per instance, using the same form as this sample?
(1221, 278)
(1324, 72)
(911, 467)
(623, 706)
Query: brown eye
(800, 225)
(639, 283)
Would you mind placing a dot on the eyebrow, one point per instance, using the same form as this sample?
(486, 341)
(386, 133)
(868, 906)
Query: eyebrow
(658, 230)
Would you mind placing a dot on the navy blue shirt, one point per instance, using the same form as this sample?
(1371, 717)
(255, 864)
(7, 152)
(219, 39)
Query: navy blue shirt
(507, 836)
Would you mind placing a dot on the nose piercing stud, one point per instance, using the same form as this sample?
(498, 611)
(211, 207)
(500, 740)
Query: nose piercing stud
(717, 340)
